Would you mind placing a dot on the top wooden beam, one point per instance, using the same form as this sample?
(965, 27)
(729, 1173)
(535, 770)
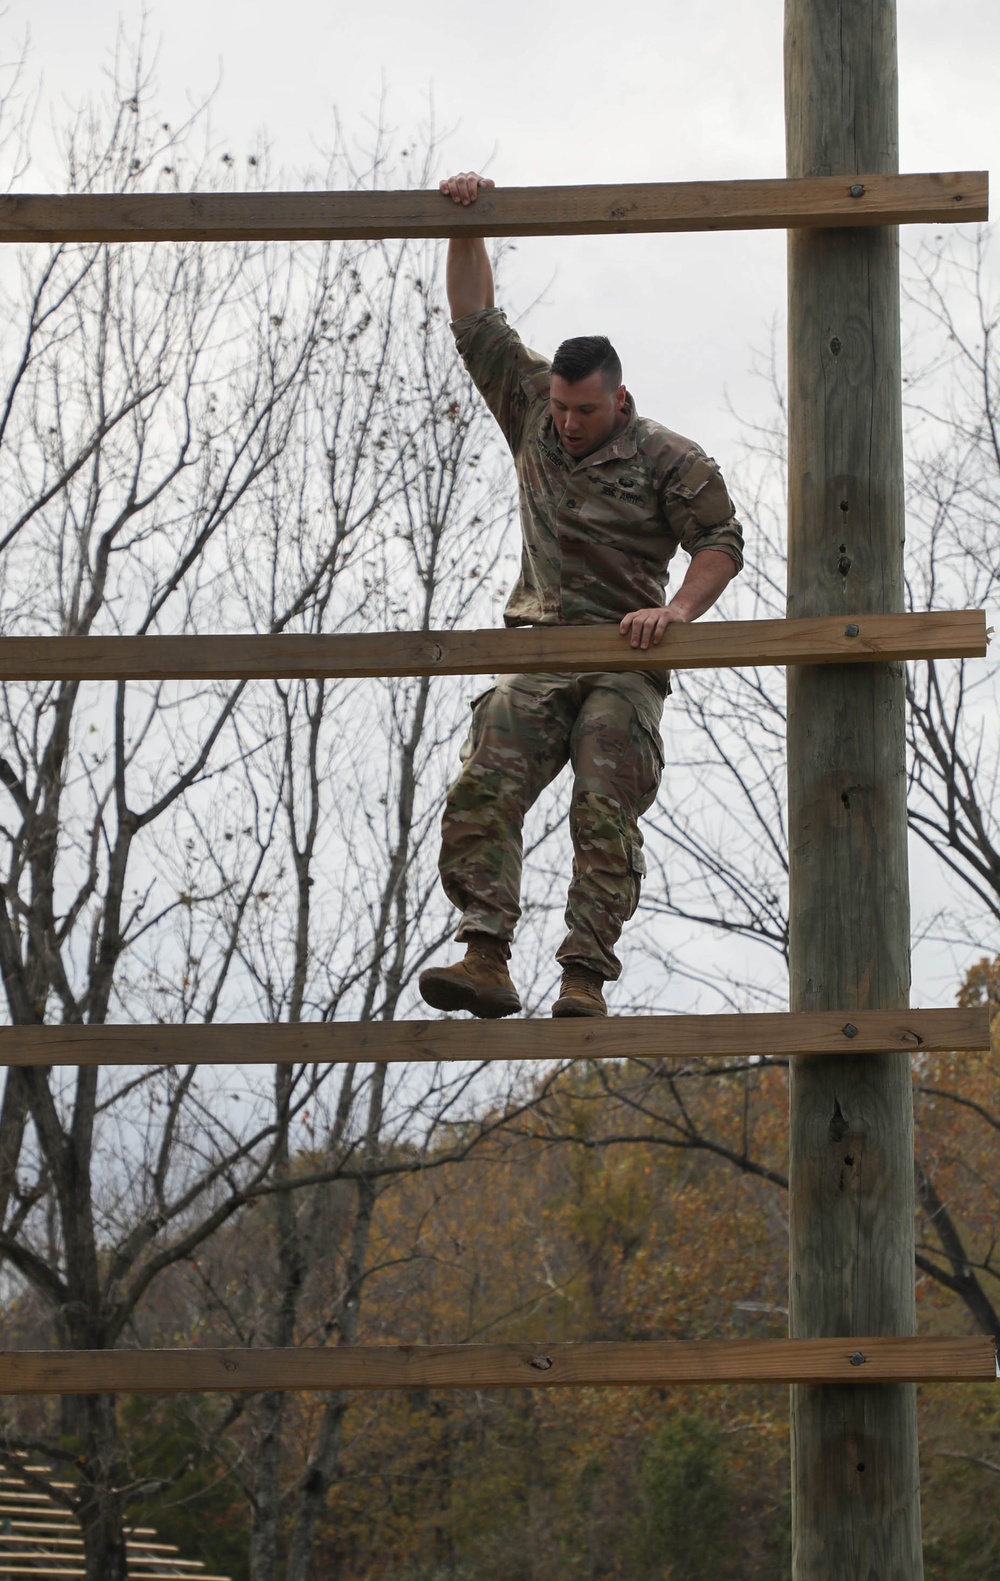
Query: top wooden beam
(829, 639)
(506, 211)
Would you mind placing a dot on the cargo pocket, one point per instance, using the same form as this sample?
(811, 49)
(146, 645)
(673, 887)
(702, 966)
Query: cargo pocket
(636, 873)
(638, 775)
(474, 736)
(637, 856)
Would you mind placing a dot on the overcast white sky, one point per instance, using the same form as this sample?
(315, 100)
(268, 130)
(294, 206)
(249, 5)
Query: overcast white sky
(562, 93)
(551, 94)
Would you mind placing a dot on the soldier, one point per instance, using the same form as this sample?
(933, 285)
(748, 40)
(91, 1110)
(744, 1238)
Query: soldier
(606, 496)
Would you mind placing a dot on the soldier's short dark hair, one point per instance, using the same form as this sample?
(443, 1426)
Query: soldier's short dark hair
(586, 354)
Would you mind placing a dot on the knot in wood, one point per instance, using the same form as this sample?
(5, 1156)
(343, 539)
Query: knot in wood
(540, 1363)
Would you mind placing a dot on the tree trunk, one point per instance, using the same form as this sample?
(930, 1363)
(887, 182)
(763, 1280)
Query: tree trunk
(265, 1528)
(270, 1416)
(100, 1498)
(855, 1477)
(326, 1451)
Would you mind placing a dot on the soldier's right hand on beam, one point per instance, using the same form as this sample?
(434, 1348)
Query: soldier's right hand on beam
(465, 187)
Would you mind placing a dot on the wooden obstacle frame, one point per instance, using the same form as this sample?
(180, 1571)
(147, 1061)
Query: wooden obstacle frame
(40, 1537)
(813, 203)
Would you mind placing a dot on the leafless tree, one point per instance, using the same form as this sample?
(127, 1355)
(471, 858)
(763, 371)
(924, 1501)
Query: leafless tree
(148, 394)
(195, 437)
(953, 403)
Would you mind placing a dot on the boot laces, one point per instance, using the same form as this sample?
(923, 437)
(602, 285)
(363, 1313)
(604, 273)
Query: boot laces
(581, 977)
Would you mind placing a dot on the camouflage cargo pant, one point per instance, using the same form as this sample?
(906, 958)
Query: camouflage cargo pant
(523, 732)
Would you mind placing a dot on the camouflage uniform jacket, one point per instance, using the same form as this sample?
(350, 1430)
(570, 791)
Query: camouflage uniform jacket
(598, 533)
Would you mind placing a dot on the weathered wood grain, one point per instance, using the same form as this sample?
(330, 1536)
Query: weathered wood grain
(855, 1472)
(848, 639)
(608, 1363)
(822, 1033)
(879, 199)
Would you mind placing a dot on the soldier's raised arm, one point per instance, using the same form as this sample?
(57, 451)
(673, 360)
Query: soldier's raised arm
(469, 276)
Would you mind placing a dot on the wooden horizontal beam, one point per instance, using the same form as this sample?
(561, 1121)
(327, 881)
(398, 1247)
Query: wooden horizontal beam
(619, 1037)
(143, 1552)
(878, 1360)
(853, 639)
(507, 211)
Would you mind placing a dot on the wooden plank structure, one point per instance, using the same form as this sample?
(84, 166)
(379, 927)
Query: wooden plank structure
(607, 1364)
(840, 639)
(41, 1537)
(768, 1036)
(820, 201)
(854, 1444)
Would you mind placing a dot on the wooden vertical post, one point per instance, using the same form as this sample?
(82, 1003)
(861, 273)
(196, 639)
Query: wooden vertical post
(855, 1475)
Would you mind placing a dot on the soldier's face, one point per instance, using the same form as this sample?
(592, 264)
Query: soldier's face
(586, 414)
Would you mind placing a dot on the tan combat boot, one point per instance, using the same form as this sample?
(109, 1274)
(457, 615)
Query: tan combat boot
(480, 983)
(580, 994)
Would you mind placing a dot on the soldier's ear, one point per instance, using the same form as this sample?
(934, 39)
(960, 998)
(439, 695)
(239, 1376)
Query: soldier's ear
(621, 397)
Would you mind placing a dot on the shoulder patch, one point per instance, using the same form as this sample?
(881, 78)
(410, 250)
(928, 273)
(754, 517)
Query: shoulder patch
(536, 385)
(666, 451)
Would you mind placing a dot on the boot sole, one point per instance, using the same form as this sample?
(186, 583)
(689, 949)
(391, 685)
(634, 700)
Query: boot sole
(571, 1007)
(444, 993)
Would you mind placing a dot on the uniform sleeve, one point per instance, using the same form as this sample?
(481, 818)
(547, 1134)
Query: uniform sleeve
(696, 504)
(508, 374)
